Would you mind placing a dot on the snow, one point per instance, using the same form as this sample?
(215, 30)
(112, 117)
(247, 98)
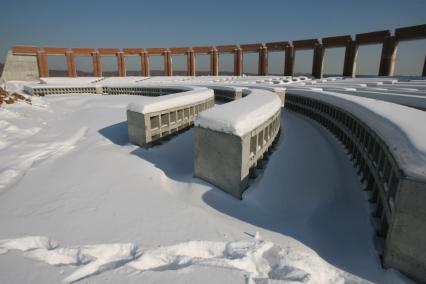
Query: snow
(241, 116)
(89, 207)
(259, 259)
(172, 101)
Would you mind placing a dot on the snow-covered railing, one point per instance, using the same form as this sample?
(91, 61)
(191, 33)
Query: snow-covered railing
(43, 89)
(386, 142)
(140, 90)
(226, 93)
(52, 89)
(165, 115)
(232, 139)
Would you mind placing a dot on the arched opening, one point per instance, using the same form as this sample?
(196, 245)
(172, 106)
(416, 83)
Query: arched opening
(276, 62)
(57, 65)
(303, 60)
(202, 64)
(133, 65)
(368, 60)
(179, 65)
(334, 59)
(84, 66)
(410, 58)
(109, 66)
(156, 65)
(250, 63)
(226, 64)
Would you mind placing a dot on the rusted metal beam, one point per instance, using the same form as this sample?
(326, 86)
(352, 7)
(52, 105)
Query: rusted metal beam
(336, 41)
(24, 50)
(277, 46)
(83, 51)
(306, 43)
(133, 51)
(409, 33)
(55, 50)
(108, 51)
(179, 50)
(156, 51)
(372, 38)
(202, 49)
(226, 48)
(253, 47)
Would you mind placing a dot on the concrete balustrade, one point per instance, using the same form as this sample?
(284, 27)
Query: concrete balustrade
(391, 162)
(163, 116)
(231, 140)
(16, 62)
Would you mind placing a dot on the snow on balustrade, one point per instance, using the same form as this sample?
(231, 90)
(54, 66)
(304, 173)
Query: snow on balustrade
(242, 116)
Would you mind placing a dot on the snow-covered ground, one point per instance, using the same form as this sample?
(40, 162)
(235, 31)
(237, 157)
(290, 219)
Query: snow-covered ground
(79, 203)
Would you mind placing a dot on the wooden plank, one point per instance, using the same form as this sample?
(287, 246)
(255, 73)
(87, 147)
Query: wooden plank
(277, 46)
(24, 50)
(336, 41)
(306, 43)
(414, 32)
(373, 37)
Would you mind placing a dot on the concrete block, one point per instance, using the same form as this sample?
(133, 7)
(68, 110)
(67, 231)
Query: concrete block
(145, 128)
(20, 67)
(225, 159)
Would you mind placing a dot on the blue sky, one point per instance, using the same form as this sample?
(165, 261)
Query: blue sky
(188, 23)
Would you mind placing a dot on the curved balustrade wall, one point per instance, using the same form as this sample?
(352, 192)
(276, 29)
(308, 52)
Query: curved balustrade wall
(397, 195)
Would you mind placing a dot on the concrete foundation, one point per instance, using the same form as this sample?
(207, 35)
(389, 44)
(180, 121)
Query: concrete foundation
(20, 67)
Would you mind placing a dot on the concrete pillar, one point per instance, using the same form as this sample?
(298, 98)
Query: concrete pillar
(318, 61)
(72, 71)
(168, 64)
(388, 57)
(263, 61)
(238, 62)
(43, 69)
(121, 63)
(145, 65)
(350, 59)
(97, 67)
(289, 61)
(214, 63)
(191, 63)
